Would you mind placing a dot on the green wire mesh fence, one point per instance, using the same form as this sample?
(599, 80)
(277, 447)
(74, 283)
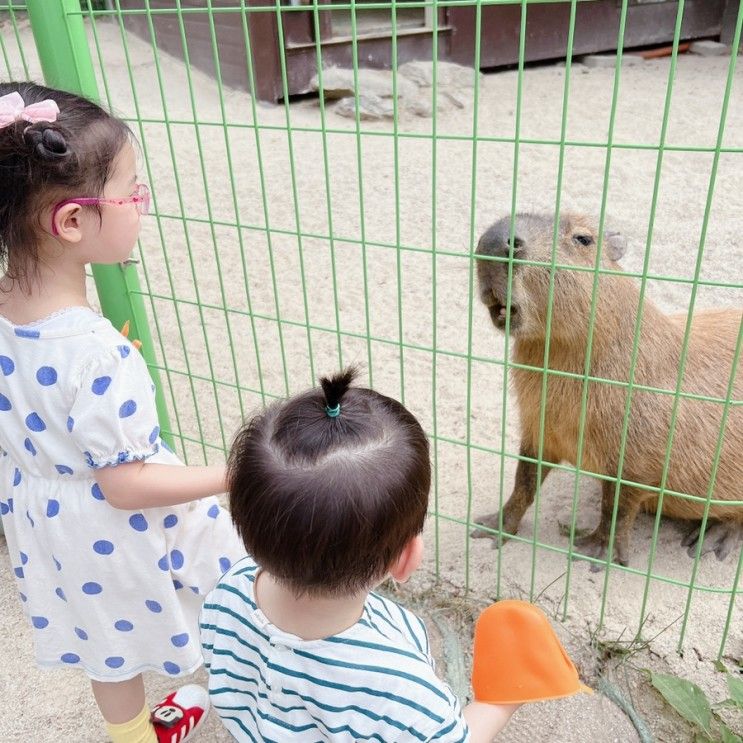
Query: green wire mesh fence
(287, 241)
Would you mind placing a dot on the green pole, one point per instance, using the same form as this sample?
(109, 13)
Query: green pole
(64, 54)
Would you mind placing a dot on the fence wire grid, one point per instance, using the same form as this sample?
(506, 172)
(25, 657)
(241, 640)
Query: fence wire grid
(287, 242)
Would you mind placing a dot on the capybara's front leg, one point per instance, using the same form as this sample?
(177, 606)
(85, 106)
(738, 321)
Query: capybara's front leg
(596, 543)
(521, 498)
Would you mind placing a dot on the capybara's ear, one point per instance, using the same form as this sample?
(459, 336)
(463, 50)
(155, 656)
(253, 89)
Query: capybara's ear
(615, 245)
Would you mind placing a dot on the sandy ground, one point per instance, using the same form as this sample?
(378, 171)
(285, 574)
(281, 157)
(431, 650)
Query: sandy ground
(417, 301)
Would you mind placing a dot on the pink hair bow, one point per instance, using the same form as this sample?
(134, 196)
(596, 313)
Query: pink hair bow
(12, 109)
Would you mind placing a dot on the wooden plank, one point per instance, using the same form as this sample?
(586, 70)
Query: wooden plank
(596, 28)
(729, 18)
(230, 40)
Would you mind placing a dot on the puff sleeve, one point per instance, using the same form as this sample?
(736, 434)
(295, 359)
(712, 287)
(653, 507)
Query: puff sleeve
(113, 418)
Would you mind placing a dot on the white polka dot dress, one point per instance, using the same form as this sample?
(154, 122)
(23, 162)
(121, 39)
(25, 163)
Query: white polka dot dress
(109, 591)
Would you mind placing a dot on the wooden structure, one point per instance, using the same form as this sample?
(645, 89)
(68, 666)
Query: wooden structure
(648, 22)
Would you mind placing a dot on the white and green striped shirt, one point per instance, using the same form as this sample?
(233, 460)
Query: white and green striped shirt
(375, 681)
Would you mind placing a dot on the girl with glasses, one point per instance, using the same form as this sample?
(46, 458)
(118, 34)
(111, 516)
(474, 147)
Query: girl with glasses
(113, 542)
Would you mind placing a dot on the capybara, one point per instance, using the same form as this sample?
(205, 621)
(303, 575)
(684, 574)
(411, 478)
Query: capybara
(707, 373)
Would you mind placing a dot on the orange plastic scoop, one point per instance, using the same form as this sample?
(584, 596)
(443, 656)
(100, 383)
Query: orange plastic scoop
(518, 658)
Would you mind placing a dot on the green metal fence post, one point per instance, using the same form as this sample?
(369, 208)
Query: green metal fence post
(62, 45)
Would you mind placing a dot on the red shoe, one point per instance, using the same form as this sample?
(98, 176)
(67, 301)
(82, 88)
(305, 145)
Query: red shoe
(177, 718)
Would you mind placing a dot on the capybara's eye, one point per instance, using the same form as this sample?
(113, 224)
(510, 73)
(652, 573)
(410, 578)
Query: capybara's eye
(585, 240)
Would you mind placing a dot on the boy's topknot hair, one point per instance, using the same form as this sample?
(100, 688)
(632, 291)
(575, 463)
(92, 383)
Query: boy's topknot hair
(45, 162)
(327, 503)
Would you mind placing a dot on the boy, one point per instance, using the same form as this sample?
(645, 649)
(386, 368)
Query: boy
(329, 492)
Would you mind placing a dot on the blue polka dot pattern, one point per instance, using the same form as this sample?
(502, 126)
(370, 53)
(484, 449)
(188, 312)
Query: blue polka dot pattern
(7, 366)
(127, 409)
(162, 563)
(24, 558)
(5, 403)
(35, 423)
(138, 522)
(46, 376)
(23, 333)
(176, 559)
(57, 563)
(10, 505)
(103, 547)
(100, 385)
(31, 521)
(23, 597)
(18, 572)
(59, 430)
(30, 447)
(4, 508)
(39, 622)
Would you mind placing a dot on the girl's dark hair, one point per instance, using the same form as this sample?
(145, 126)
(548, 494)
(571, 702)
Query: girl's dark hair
(45, 162)
(326, 504)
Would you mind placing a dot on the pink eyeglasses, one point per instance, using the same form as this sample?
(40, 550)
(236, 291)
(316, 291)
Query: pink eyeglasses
(140, 197)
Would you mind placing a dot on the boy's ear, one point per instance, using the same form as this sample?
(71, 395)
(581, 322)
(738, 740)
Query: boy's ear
(67, 222)
(409, 560)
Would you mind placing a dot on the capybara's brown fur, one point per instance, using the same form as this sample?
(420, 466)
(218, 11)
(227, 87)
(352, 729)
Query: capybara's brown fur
(708, 368)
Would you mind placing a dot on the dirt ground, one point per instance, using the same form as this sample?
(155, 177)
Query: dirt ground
(408, 302)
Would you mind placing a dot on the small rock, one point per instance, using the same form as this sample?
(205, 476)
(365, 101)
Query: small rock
(448, 74)
(338, 82)
(610, 60)
(457, 98)
(421, 106)
(371, 108)
(600, 60)
(709, 48)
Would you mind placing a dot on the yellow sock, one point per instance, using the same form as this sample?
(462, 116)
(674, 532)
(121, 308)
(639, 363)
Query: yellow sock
(138, 730)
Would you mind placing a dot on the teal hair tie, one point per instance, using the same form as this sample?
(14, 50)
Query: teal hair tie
(333, 412)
